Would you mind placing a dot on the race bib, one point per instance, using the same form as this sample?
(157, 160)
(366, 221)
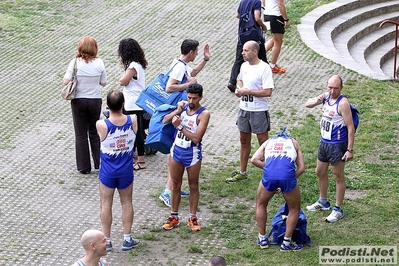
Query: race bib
(182, 141)
(326, 128)
(247, 102)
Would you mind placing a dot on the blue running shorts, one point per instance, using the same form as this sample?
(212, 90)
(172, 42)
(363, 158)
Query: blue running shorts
(119, 183)
(285, 185)
(187, 157)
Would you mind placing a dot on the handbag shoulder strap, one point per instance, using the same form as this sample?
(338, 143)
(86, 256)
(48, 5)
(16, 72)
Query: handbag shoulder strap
(75, 68)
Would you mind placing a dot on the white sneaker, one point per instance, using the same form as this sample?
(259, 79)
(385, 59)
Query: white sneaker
(318, 206)
(335, 216)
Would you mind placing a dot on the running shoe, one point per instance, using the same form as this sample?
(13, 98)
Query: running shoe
(278, 70)
(335, 215)
(263, 243)
(193, 223)
(128, 245)
(171, 223)
(184, 193)
(236, 176)
(165, 197)
(291, 246)
(109, 246)
(318, 206)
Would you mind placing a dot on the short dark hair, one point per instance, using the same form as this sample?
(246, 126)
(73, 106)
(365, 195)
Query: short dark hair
(217, 261)
(188, 45)
(115, 100)
(195, 88)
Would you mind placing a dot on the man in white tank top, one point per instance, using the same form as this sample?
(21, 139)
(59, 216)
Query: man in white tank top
(335, 147)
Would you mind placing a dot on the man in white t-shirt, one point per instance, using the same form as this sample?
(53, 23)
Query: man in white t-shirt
(255, 85)
(183, 75)
(180, 77)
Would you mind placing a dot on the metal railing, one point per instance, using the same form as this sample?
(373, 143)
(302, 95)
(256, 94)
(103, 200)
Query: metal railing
(395, 50)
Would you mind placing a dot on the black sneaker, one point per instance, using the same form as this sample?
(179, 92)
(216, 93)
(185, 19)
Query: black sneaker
(84, 172)
(129, 245)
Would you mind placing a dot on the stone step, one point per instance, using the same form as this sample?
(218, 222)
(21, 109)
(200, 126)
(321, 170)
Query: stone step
(388, 67)
(368, 30)
(334, 29)
(361, 49)
(375, 58)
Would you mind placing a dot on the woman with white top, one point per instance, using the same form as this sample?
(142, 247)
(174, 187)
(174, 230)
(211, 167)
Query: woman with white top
(86, 106)
(133, 60)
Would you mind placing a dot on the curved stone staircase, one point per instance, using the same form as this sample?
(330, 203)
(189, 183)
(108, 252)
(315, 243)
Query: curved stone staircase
(348, 32)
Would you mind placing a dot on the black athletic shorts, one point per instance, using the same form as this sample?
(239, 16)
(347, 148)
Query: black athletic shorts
(331, 153)
(276, 23)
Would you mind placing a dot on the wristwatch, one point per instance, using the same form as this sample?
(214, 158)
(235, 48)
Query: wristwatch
(350, 150)
(180, 127)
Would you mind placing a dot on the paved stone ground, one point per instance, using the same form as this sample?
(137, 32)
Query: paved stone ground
(45, 204)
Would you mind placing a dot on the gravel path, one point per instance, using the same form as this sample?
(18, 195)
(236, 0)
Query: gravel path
(45, 204)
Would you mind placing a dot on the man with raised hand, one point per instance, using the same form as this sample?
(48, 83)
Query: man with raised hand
(180, 77)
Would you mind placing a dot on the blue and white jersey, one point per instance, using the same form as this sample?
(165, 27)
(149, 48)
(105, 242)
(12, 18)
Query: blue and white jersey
(280, 157)
(190, 122)
(117, 150)
(332, 125)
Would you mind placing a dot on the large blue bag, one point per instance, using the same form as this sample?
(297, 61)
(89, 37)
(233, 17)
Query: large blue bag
(161, 136)
(279, 224)
(155, 95)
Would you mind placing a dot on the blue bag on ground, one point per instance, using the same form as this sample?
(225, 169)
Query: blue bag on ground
(155, 95)
(278, 228)
(161, 136)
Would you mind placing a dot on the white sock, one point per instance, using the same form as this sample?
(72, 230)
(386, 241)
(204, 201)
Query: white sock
(127, 237)
(287, 241)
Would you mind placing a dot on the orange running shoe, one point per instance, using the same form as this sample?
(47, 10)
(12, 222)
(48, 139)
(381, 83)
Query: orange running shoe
(171, 223)
(193, 223)
(278, 70)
